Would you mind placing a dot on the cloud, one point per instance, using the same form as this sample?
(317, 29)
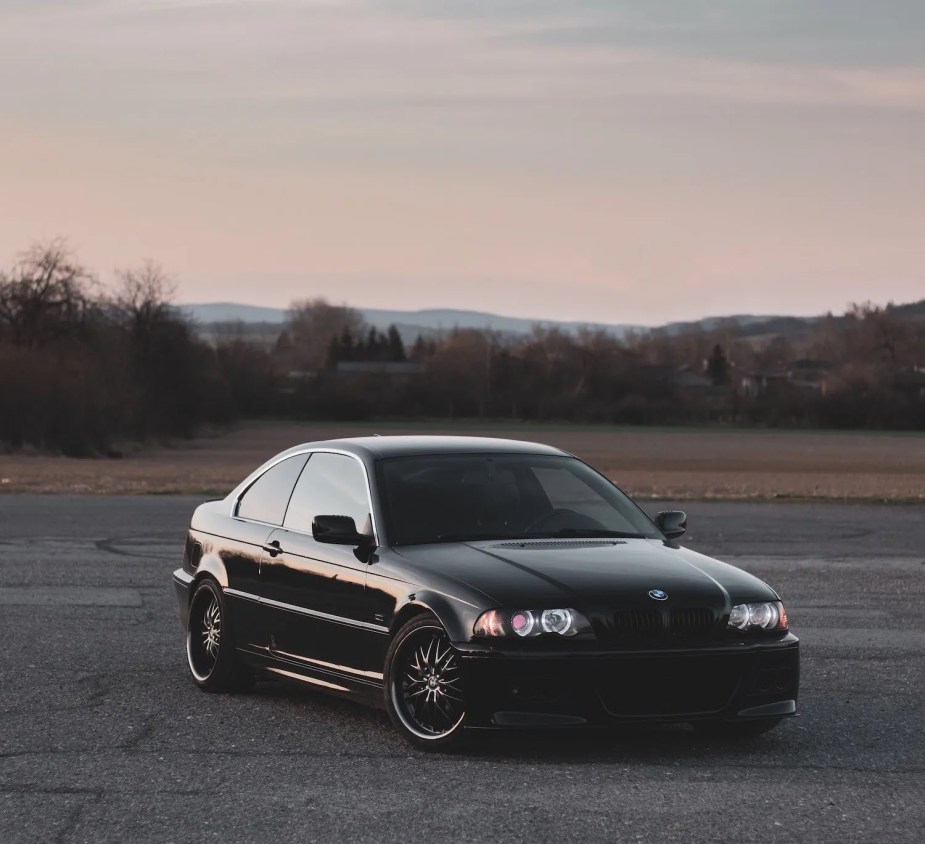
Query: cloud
(563, 142)
(215, 64)
(853, 32)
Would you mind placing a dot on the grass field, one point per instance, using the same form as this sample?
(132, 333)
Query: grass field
(674, 463)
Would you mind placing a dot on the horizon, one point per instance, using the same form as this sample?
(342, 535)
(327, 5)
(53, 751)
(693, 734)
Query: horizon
(600, 161)
(544, 319)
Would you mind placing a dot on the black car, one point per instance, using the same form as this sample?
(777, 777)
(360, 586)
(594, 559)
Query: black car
(464, 583)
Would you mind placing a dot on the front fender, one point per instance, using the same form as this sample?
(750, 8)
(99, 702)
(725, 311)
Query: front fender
(456, 615)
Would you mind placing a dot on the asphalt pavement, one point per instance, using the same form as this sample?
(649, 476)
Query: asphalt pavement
(104, 737)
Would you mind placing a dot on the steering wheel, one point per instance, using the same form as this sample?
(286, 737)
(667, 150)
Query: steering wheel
(559, 518)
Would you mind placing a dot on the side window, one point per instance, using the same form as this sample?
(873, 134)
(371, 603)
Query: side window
(331, 485)
(266, 498)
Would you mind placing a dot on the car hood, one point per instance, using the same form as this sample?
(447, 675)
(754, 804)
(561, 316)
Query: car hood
(585, 574)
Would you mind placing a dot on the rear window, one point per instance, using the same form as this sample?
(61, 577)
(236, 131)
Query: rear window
(266, 499)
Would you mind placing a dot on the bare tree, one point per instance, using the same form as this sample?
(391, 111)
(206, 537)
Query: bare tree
(311, 326)
(461, 366)
(145, 295)
(46, 295)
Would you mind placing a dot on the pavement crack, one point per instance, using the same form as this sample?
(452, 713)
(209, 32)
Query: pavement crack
(73, 817)
(139, 735)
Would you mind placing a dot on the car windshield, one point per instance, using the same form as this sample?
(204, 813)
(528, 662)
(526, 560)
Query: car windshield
(468, 497)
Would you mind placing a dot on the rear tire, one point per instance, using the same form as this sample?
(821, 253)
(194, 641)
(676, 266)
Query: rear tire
(210, 648)
(423, 687)
(736, 729)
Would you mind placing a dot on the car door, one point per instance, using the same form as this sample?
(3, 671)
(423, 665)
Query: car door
(321, 613)
(259, 511)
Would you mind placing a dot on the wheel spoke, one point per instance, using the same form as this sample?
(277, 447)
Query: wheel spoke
(451, 697)
(444, 711)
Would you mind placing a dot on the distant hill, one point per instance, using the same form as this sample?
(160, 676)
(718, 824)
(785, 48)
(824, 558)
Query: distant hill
(409, 322)
(233, 312)
(429, 322)
(436, 320)
(914, 310)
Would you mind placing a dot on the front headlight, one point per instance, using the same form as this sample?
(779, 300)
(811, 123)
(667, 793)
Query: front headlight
(529, 623)
(769, 615)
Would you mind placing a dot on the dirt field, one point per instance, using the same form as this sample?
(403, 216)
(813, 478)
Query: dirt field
(664, 463)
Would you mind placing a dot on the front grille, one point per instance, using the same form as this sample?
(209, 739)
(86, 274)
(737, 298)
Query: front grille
(692, 623)
(637, 625)
(657, 625)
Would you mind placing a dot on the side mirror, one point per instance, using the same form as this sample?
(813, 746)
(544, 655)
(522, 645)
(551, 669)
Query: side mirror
(338, 530)
(672, 523)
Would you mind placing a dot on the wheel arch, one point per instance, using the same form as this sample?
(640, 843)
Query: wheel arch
(211, 565)
(452, 613)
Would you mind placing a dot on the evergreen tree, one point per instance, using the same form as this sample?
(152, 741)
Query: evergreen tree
(347, 349)
(396, 347)
(335, 354)
(718, 367)
(419, 349)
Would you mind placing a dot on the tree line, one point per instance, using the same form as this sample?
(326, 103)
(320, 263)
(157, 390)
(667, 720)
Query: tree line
(85, 368)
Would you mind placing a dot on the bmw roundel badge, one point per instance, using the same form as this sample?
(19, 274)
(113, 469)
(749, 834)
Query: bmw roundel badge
(658, 594)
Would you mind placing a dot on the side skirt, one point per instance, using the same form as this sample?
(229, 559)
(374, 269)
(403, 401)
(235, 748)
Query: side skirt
(324, 678)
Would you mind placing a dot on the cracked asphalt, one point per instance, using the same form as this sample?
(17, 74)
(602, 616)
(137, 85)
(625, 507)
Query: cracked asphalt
(103, 737)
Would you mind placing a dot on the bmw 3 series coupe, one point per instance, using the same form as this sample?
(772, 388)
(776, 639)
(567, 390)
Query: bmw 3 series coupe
(467, 583)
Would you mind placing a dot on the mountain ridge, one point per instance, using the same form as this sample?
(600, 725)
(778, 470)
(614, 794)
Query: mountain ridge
(431, 322)
(434, 320)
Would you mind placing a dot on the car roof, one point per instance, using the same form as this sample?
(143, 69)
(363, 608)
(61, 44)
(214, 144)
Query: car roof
(409, 446)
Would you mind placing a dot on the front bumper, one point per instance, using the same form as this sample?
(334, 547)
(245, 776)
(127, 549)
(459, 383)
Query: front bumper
(182, 583)
(728, 682)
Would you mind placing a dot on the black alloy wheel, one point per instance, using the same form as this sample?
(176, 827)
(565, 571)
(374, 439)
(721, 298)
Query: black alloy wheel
(423, 685)
(210, 650)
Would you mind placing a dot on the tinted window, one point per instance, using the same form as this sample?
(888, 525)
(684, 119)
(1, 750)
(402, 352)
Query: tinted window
(460, 497)
(571, 490)
(331, 485)
(265, 500)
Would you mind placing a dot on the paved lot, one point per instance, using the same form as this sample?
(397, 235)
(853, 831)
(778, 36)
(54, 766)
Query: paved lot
(102, 737)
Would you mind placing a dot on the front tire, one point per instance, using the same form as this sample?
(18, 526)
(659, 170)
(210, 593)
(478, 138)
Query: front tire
(423, 686)
(210, 651)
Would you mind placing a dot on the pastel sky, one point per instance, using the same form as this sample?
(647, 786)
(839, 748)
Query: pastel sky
(582, 159)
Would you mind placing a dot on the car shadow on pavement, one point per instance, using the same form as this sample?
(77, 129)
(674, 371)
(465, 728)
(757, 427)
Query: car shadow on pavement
(670, 744)
(642, 743)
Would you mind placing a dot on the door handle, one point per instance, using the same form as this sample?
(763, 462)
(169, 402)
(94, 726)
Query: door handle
(273, 548)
